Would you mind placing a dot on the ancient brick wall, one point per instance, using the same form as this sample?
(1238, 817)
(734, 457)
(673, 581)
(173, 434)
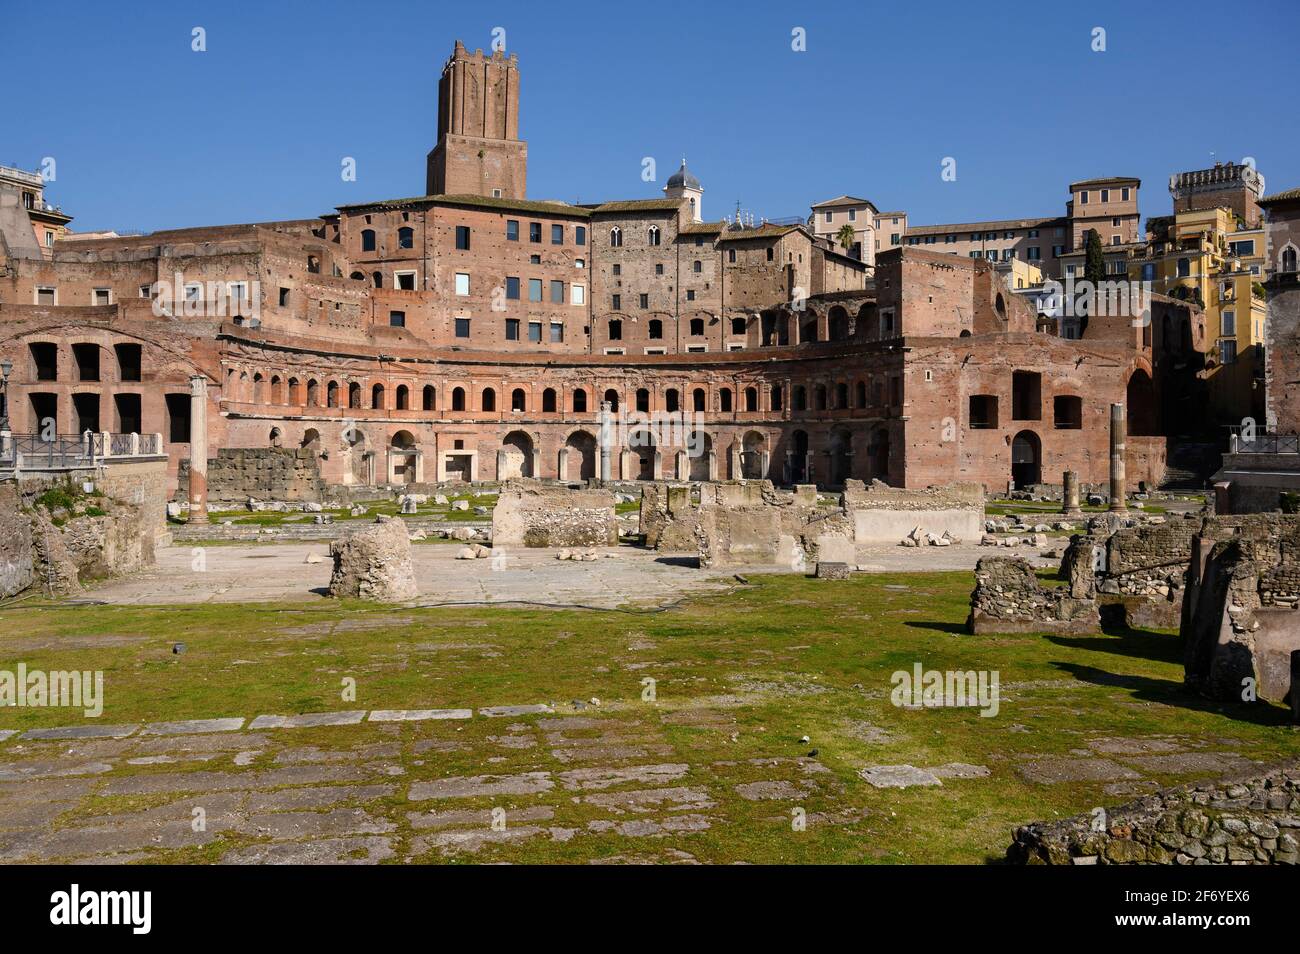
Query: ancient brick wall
(1251, 819)
(264, 473)
(534, 516)
(1008, 598)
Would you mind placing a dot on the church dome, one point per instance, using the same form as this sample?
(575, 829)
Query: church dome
(682, 179)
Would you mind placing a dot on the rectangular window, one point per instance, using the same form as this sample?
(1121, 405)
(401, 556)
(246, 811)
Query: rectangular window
(284, 297)
(578, 294)
(731, 254)
(616, 302)
(512, 288)
(534, 289)
(535, 232)
(557, 292)
(100, 296)
(1124, 193)
(1227, 351)
(49, 240)
(1058, 251)
(853, 215)
(1032, 233)
(1229, 324)
(1105, 195)
(557, 333)
(512, 230)
(1083, 198)
(828, 216)
(1116, 240)
(690, 294)
(579, 235)
(462, 237)
(512, 329)
(1243, 247)
(397, 319)
(1034, 253)
(46, 295)
(579, 263)
(462, 327)
(146, 291)
(406, 281)
(644, 301)
(462, 283)
(193, 292)
(557, 234)
(535, 331)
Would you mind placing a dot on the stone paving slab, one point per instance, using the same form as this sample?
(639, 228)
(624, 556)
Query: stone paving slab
(898, 776)
(82, 732)
(307, 721)
(529, 783)
(193, 726)
(497, 712)
(6, 733)
(418, 715)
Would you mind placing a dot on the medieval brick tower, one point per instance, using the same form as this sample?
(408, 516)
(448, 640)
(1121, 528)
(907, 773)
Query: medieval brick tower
(479, 151)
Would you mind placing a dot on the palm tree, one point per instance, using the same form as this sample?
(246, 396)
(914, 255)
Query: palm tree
(845, 236)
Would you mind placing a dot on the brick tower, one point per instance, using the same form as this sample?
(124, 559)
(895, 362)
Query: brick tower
(479, 151)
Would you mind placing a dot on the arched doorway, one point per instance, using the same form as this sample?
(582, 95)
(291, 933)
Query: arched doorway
(516, 456)
(1140, 398)
(1026, 459)
(642, 446)
(841, 455)
(582, 456)
(751, 456)
(878, 454)
(402, 453)
(699, 447)
(799, 457)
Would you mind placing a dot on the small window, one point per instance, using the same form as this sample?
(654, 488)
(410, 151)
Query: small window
(534, 289)
(462, 327)
(512, 329)
(101, 296)
(731, 255)
(616, 239)
(397, 319)
(652, 235)
(697, 327)
(579, 235)
(557, 332)
(697, 266)
(406, 281)
(535, 232)
(557, 292)
(462, 283)
(1067, 412)
(462, 237)
(578, 294)
(367, 240)
(655, 329)
(643, 300)
(512, 288)
(406, 237)
(535, 332)
(557, 234)
(616, 302)
(738, 326)
(284, 297)
(615, 330)
(512, 230)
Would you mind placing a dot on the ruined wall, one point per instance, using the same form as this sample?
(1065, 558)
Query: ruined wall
(1240, 616)
(530, 515)
(264, 473)
(884, 514)
(1252, 819)
(16, 572)
(1141, 568)
(1008, 598)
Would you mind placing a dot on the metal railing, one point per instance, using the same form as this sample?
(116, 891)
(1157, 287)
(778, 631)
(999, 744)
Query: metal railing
(73, 451)
(1243, 441)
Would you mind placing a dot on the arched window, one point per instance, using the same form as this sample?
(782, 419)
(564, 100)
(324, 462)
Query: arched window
(354, 395)
(615, 329)
(488, 400)
(697, 327)
(643, 400)
(800, 398)
(548, 401)
(378, 278)
(751, 399)
(406, 237)
(656, 328)
(616, 237)
(430, 401)
(672, 402)
(611, 398)
(841, 395)
(358, 276)
(377, 396)
(653, 235)
(697, 266)
(367, 240)
(313, 393)
(518, 400)
(458, 399)
(724, 400)
(579, 401)
(403, 398)
(332, 394)
(1288, 259)
(698, 400)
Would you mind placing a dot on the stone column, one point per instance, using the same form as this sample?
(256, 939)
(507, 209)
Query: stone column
(198, 449)
(737, 470)
(1070, 493)
(1118, 501)
(683, 465)
(562, 464)
(604, 441)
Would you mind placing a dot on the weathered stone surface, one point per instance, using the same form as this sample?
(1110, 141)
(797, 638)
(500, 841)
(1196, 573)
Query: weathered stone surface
(89, 731)
(1009, 598)
(193, 726)
(528, 514)
(374, 563)
(307, 720)
(898, 776)
(1239, 819)
(418, 715)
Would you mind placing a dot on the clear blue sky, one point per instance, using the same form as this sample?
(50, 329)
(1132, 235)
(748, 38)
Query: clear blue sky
(148, 134)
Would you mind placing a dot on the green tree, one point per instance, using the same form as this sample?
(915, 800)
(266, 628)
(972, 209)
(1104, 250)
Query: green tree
(845, 236)
(1094, 265)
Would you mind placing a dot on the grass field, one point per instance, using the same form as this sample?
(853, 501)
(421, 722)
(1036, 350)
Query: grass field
(739, 680)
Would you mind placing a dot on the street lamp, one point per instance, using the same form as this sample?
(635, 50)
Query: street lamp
(5, 367)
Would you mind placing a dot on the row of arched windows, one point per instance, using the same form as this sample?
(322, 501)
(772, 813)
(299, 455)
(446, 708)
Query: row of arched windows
(653, 236)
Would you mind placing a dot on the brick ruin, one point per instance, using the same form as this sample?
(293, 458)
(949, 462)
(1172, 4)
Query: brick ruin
(1240, 625)
(1009, 598)
(1250, 819)
(263, 473)
(474, 334)
(528, 514)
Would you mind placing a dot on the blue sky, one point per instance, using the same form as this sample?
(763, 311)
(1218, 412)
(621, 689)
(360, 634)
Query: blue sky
(148, 134)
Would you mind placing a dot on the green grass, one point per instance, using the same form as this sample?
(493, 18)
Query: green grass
(811, 659)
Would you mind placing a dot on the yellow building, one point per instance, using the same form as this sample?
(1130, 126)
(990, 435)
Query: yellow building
(1210, 256)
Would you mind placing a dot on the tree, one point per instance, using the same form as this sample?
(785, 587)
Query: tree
(845, 236)
(1094, 266)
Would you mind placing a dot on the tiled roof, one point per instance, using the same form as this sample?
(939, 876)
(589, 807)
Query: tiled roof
(639, 205)
(703, 228)
(766, 230)
(843, 200)
(1290, 195)
(482, 201)
(1107, 180)
(982, 226)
